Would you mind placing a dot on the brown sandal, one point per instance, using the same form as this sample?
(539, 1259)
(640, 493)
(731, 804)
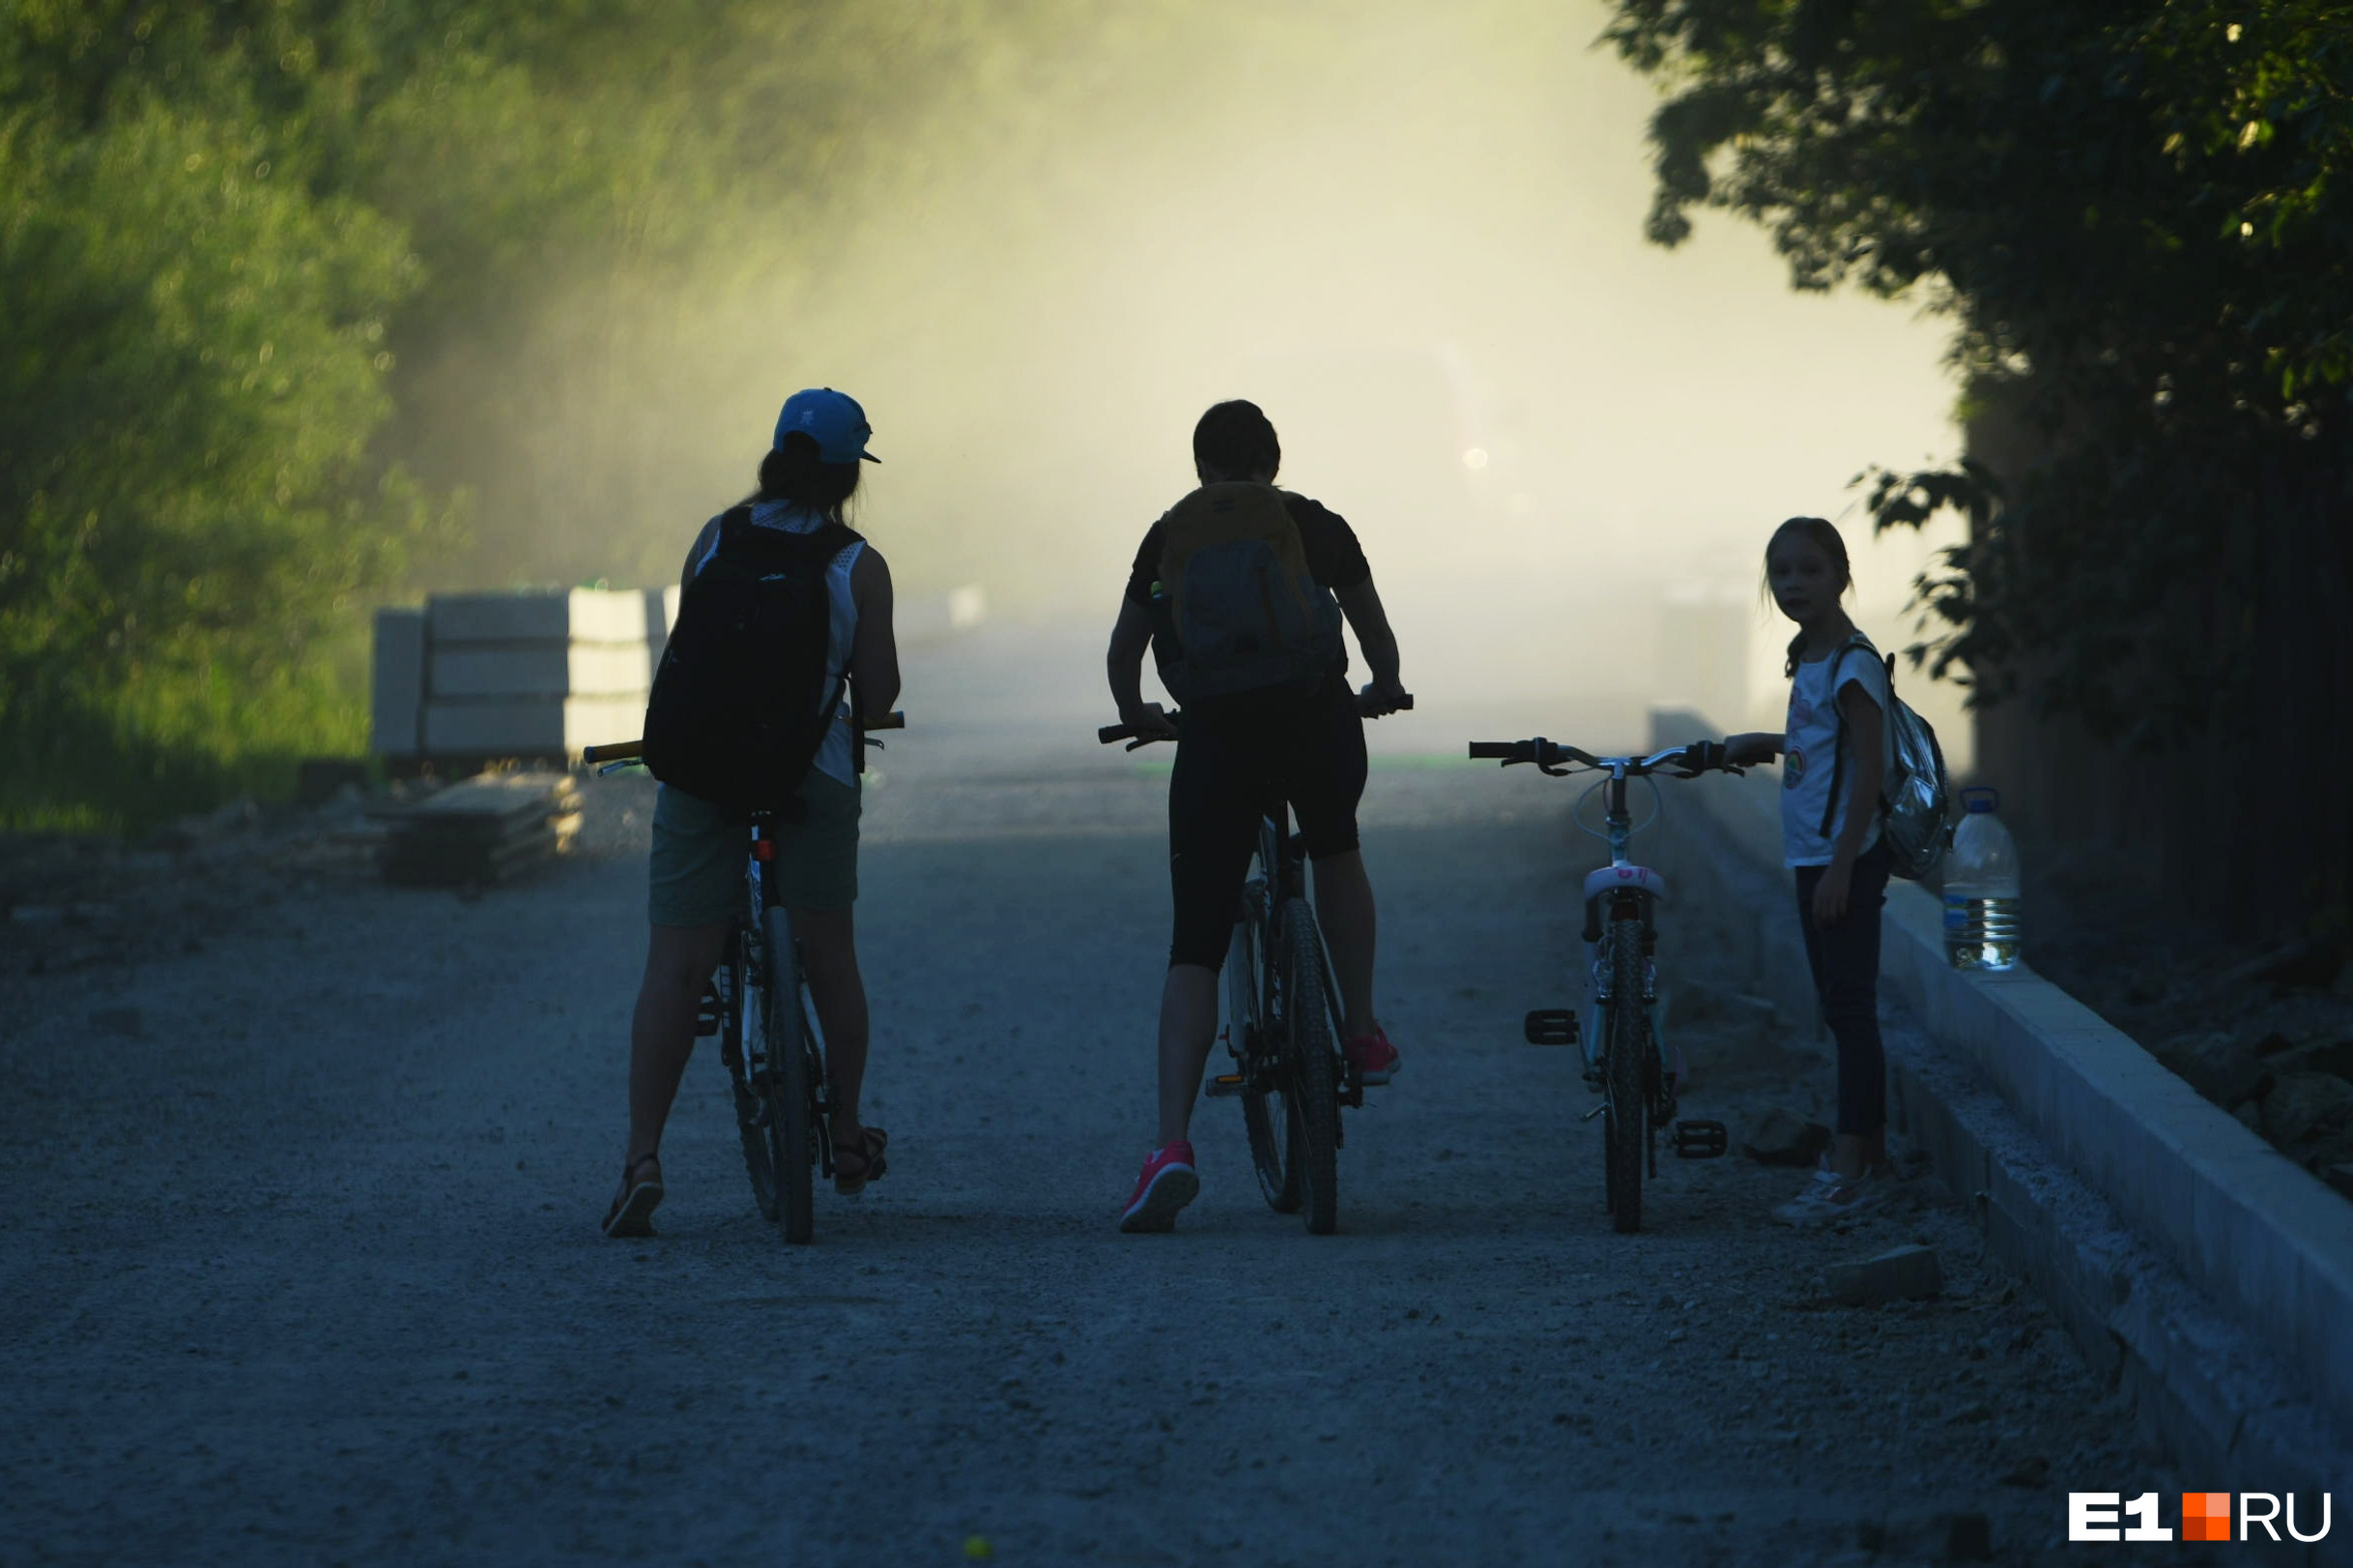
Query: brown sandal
(632, 1214)
(854, 1167)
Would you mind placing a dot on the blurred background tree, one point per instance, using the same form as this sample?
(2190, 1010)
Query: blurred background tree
(2137, 215)
(283, 277)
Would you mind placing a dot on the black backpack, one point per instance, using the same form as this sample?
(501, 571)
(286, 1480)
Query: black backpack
(743, 700)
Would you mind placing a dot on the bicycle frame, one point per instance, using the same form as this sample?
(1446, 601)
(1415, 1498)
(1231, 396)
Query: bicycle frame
(1282, 875)
(1635, 902)
(765, 894)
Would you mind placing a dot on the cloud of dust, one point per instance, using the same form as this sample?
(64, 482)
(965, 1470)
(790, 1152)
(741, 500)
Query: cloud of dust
(1414, 235)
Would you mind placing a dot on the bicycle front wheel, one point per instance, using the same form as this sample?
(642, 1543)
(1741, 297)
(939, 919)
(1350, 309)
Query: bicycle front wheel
(1625, 1052)
(1312, 1065)
(792, 1114)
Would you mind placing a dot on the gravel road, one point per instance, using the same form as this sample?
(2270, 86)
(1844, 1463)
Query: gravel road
(301, 1261)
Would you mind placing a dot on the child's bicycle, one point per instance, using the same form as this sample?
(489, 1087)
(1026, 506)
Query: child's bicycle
(1622, 1060)
(758, 1004)
(1282, 1010)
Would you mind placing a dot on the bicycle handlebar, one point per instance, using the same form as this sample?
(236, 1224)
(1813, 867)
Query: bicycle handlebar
(1134, 737)
(1681, 761)
(633, 751)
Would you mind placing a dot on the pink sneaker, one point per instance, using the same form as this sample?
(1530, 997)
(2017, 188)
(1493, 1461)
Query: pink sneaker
(1167, 1184)
(1374, 1058)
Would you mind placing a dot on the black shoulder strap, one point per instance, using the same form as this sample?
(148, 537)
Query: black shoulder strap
(832, 538)
(1838, 748)
(732, 524)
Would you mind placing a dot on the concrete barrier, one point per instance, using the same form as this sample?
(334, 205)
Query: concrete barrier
(2046, 1121)
(473, 677)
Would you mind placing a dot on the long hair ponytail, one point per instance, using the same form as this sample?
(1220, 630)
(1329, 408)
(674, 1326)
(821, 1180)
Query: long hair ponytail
(795, 473)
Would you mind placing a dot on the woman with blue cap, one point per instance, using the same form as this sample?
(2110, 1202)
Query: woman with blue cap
(806, 482)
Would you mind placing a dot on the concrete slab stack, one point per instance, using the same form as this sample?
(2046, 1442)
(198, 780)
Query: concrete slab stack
(479, 676)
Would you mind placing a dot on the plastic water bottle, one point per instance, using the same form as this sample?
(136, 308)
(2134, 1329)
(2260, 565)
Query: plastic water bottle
(1981, 888)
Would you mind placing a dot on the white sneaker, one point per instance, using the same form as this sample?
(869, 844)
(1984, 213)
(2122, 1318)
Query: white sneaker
(1829, 1196)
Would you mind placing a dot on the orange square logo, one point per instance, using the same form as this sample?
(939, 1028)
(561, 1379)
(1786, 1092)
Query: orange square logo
(2205, 1516)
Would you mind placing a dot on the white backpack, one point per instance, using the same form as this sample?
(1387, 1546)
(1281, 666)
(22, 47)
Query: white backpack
(1912, 813)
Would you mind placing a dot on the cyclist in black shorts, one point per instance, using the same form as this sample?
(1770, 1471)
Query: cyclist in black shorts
(1304, 741)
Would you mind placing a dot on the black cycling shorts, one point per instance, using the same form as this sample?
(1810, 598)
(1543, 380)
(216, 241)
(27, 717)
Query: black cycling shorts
(1233, 760)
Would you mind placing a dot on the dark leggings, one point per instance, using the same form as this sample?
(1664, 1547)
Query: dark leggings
(1234, 759)
(1846, 961)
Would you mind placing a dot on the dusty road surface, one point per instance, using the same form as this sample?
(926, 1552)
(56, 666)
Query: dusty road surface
(301, 1263)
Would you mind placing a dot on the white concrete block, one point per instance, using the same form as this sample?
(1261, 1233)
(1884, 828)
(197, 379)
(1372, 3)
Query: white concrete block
(527, 726)
(575, 615)
(466, 670)
(661, 615)
(397, 683)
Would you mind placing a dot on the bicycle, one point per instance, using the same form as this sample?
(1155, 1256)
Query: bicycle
(1623, 1058)
(1282, 1024)
(758, 1004)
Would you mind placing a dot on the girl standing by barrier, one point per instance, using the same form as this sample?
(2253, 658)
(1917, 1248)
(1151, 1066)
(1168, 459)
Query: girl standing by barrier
(1834, 752)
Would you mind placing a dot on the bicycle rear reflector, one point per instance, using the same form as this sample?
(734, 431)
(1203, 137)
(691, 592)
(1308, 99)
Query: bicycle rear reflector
(1553, 1026)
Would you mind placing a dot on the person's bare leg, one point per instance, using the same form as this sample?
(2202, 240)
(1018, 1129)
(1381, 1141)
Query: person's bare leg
(1188, 1028)
(1344, 908)
(829, 961)
(678, 964)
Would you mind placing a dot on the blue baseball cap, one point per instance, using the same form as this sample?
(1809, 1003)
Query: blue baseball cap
(832, 419)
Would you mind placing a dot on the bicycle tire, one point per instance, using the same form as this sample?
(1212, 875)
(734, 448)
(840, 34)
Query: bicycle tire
(742, 1023)
(1624, 1124)
(1269, 1115)
(791, 1121)
(1311, 1057)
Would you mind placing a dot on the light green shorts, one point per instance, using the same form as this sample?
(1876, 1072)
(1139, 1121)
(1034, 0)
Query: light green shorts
(699, 853)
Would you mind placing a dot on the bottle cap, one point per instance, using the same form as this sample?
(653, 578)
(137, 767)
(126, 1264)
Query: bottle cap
(1981, 800)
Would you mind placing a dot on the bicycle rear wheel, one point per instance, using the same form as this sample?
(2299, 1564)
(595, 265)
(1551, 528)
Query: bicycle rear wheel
(1626, 1049)
(743, 1045)
(1312, 1065)
(791, 1120)
(1269, 1114)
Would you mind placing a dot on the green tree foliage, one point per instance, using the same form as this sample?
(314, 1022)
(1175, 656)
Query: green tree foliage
(2139, 215)
(267, 264)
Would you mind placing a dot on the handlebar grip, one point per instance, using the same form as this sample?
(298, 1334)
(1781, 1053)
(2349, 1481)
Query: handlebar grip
(621, 750)
(1110, 733)
(1499, 751)
(893, 720)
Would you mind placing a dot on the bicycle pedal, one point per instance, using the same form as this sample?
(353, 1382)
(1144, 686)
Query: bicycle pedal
(707, 1014)
(1701, 1140)
(1552, 1026)
(1225, 1086)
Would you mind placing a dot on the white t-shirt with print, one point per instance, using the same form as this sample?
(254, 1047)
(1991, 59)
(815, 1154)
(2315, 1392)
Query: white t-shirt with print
(1810, 750)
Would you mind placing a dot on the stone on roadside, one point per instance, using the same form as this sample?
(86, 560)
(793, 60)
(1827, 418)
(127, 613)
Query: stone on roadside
(2302, 1102)
(1779, 1138)
(2215, 1064)
(1905, 1274)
